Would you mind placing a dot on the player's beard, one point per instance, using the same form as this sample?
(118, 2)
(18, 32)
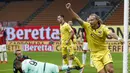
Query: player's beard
(19, 57)
(93, 26)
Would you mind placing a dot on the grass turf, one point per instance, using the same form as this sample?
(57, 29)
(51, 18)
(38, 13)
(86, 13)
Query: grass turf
(55, 57)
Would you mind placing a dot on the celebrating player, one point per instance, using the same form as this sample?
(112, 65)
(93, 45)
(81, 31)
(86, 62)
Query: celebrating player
(96, 36)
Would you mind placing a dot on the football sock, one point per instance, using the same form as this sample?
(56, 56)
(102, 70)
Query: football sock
(83, 58)
(5, 56)
(1, 56)
(77, 62)
(70, 62)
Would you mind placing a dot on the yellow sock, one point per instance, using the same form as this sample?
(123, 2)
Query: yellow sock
(78, 62)
(65, 61)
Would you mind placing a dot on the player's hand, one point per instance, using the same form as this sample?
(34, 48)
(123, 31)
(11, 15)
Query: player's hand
(68, 5)
(121, 41)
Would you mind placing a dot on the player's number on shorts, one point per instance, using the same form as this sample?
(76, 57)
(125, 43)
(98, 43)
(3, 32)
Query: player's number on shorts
(33, 63)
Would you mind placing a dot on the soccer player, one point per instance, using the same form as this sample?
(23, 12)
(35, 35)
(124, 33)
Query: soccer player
(33, 66)
(66, 33)
(74, 40)
(74, 45)
(3, 54)
(4, 45)
(96, 36)
(19, 57)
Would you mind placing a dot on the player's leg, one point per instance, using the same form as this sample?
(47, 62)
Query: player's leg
(99, 66)
(84, 57)
(49, 68)
(66, 67)
(70, 62)
(109, 68)
(76, 60)
(64, 56)
(85, 47)
(102, 71)
(73, 57)
(52, 68)
(4, 53)
(1, 54)
(1, 57)
(74, 47)
(97, 60)
(108, 62)
(63, 67)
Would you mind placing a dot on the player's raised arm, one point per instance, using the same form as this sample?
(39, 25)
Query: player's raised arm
(73, 14)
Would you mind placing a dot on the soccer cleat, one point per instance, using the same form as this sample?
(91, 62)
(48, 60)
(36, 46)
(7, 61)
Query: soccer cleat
(68, 71)
(76, 67)
(82, 70)
(1, 61)
(5, 62)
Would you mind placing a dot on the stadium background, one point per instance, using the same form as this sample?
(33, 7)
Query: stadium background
(35, 14)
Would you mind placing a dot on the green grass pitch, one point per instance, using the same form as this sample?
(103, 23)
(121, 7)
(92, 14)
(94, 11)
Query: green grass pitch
(56, 58)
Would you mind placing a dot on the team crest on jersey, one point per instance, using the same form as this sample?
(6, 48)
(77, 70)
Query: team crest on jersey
(99, 32)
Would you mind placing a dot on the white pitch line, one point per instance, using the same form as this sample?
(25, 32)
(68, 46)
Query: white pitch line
(6, 70)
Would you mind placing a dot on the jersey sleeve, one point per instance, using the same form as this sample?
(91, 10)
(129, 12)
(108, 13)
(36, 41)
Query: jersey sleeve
(85, 24)
(25, 67)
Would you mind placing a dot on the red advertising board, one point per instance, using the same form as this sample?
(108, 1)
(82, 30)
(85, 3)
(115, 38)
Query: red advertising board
(29, 33)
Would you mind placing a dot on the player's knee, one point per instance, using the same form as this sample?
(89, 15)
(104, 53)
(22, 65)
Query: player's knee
(64, 56)
(111, 70)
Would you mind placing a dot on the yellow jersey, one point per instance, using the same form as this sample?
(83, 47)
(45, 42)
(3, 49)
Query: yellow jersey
(96, 38)
(65, 30)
